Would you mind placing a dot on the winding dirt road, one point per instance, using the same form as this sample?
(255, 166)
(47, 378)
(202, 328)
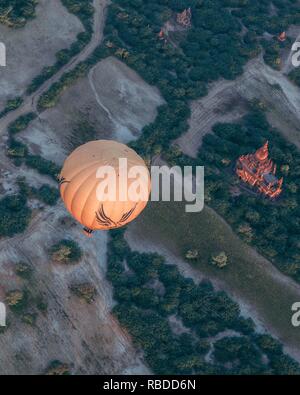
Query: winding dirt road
(91, 340)
(30, 102)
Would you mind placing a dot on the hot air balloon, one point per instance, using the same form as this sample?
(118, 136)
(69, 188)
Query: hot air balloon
(104, 185)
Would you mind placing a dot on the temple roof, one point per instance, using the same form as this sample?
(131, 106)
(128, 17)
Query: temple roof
(258, 170)
(263, 152)
(270, 178)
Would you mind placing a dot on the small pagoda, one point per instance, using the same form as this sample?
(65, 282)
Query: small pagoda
(258, 170)
(184, 18)
(282, 36)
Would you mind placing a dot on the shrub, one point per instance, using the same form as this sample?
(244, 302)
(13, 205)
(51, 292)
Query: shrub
(14, 215)
(220, 260)
(86, 292)
(42, 165)
(66, 251)
(11, 105)
(21, 123)
(23, 270)
(29, 318)
(47, 194)
(57, 368)
(16, 300)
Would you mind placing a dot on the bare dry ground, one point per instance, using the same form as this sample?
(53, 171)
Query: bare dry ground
(113, 100)
(34, 46)
(222, 104)
(226, 102)
(85, 336)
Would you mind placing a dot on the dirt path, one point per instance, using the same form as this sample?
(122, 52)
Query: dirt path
(226, 102)
(88, 338)
(30, 102)
(221, 104)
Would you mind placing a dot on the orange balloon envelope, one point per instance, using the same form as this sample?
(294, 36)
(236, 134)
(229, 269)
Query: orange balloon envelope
(104, 185)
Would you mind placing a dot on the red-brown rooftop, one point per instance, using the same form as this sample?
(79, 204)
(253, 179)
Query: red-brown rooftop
(258, 170)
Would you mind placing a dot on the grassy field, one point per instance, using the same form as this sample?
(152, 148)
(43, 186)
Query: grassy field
(248, 277)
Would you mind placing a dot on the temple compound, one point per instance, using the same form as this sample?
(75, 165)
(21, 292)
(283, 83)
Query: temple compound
(185, 18)
(259, 171)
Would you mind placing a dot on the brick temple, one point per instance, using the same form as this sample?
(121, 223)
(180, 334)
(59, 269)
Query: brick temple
(258, 170)
(185, 18)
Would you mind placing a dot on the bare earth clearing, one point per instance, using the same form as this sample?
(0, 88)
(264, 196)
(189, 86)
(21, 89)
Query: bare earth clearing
(86, 337)
(226, 102)
(31, 48)
(30, 102)
(113, 99)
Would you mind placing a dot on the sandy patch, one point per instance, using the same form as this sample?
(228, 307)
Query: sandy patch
(86, 337)
(112, 99)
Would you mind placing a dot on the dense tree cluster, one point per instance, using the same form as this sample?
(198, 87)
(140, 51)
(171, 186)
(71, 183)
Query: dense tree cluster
(150, 292)
(223, 37)
(46, 194)
(273, 227)
(15, 13)
(214, 47)
(14, 215)
(43, 166)
(21, 123)
(11, 105)
(66, 251)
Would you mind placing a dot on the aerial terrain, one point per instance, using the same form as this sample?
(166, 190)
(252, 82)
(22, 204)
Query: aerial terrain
(189, 82)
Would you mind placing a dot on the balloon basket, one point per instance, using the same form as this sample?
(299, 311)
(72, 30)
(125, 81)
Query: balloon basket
(87, 232)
